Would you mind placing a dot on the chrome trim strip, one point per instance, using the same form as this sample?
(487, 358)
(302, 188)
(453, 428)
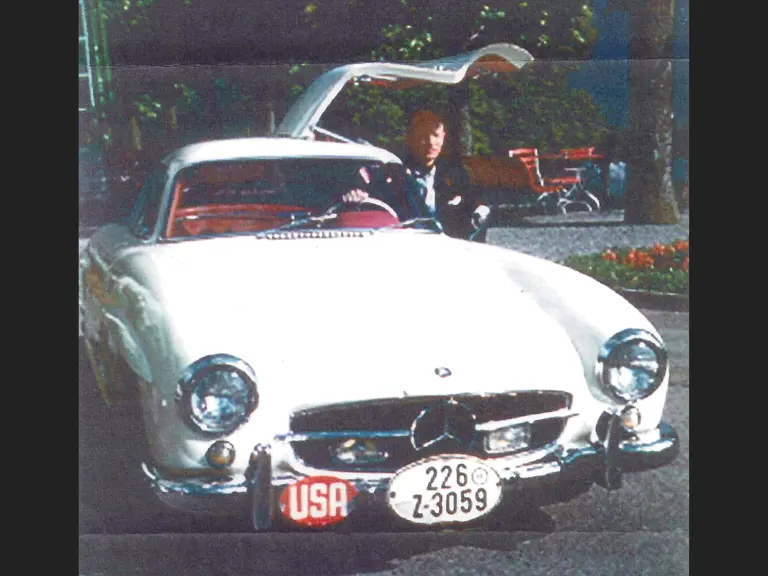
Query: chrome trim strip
(572, 456)
(534, 464)
(226, 496)
(515, 465)
(235, 484)
(259, 488)
(305, 436)
(485, 427)
(498, 424)
(665, 438)
(540, 469)
(461, 397)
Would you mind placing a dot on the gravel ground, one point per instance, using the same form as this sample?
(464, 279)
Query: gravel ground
(604, 554)
(556, 237)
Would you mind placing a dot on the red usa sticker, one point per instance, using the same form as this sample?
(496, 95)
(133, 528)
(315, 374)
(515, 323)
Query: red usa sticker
(318, 500)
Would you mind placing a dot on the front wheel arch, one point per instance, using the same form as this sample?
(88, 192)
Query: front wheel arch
(112, 373)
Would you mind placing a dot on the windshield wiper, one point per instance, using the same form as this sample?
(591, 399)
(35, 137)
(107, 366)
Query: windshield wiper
(416, 221)
(304, 221)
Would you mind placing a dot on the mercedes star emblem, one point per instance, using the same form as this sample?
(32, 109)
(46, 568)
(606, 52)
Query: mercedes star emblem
(448, 420)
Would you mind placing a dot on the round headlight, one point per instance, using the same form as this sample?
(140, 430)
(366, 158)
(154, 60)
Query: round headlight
(218, 393)
(632, 365)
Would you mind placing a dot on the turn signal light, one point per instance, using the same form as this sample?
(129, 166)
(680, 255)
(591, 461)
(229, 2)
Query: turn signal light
(220, 455)
(630, 418)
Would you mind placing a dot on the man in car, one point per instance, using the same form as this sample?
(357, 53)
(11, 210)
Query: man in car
(434, 186)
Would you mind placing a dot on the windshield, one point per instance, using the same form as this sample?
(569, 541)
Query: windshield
(241, 197)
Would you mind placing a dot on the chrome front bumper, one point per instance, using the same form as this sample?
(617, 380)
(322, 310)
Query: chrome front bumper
(257, 492)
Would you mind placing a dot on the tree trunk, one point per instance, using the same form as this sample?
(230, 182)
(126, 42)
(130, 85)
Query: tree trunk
(173, 138)
(136, 134)
(462, 121)
(650, 195)
(270, 119)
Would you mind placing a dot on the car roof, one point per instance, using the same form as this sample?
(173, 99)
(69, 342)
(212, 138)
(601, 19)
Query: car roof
(273, 148)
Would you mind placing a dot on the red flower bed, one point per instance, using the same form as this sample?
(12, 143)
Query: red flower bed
(661, 268)
(661, 257)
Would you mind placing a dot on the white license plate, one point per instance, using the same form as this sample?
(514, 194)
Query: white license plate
(441, 489)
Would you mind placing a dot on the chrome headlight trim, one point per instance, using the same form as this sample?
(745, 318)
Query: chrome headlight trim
(607, 359)
(191, 378)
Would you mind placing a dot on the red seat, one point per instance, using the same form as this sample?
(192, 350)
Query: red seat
(364, 219)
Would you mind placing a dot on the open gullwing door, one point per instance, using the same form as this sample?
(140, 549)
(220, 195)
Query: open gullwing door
(303, 117)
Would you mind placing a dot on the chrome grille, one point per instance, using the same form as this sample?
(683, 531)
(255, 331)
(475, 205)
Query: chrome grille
(316, 432)
(399, 414)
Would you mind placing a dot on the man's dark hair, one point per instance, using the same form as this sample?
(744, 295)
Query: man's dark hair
(422, 118)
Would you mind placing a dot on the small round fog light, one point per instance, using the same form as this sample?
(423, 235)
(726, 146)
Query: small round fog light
(630, 418)
(220, 455)
(358, 451)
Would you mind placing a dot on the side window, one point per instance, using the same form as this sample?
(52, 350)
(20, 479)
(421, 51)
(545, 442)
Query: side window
(145, 213)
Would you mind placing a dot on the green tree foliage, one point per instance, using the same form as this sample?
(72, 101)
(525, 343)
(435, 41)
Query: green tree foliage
(127, 13)
(427, 29)
(533, 107)
(148, 106)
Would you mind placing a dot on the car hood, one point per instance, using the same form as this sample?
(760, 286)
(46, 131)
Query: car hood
(304, 115)
(338, 320)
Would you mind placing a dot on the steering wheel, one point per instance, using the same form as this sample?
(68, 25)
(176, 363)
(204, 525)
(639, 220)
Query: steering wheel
(374, 201)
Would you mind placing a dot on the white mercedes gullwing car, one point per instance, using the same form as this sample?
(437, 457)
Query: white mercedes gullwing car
(303, 362)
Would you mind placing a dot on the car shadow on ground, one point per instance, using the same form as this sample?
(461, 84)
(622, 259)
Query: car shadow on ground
(281, 554)
(275, 555)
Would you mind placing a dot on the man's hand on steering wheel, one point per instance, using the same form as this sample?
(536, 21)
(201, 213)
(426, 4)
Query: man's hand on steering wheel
(358, 197)
(355, 196)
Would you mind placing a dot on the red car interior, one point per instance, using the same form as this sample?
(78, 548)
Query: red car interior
(222, 199)
(219, 218)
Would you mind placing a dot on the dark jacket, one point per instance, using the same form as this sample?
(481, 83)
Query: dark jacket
(452, 180)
